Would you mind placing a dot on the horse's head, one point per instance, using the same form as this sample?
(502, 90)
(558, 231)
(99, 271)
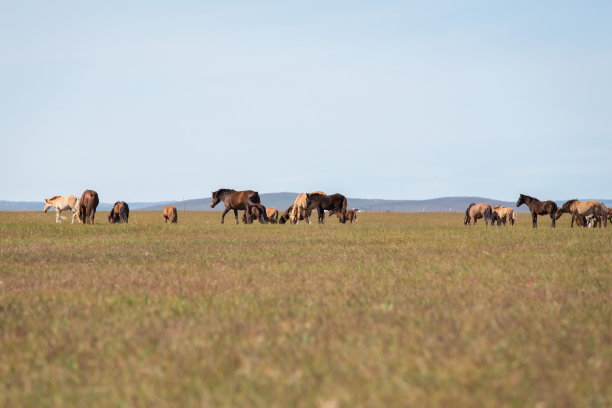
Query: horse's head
(47, 205)
(215, 199)
(520, 201)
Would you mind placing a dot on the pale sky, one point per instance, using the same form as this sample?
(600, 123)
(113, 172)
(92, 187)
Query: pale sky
(156, 100)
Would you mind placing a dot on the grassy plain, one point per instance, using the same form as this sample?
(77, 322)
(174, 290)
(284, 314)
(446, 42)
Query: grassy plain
(396, 310)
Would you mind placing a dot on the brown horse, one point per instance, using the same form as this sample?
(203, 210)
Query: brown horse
(322, 202)
(87, 206)
(504, 214)
(170, 214)
(351, 215)
(236, 200)
(120, 213)
(538, 207)
(257, 212)
(300, 210)
(477, 211)
(581, 209)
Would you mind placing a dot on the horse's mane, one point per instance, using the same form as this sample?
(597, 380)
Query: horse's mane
(568, 203)
(530, 197)
(53, 198)
(223, 191)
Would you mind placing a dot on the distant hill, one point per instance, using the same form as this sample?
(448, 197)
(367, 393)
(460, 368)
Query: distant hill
(285, 199)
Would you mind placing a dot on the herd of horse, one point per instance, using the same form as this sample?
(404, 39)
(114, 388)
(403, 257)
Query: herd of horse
(585, 213)
(84, 208)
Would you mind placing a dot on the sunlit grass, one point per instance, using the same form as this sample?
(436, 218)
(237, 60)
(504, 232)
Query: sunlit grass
(396, 310)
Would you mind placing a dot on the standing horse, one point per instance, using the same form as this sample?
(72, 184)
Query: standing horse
(170, 214)
(236, 200)
(272, 214)
(538, 207)
(120, 213)
(504, 213)
(87, 206)
(581, 209)
(257, 212)
(477, 211)
(322, 202)
(351, 215)
(300, 210)
(62, 203)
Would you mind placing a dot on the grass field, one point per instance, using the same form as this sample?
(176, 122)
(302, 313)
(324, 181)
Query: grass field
(396, 310)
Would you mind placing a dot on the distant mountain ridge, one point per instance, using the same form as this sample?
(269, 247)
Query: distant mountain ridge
(285, 199)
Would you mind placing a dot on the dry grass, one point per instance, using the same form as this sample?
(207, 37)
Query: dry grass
(396, 310)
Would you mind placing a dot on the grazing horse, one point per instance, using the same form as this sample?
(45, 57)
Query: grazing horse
(581, 209)
(236, 200)
(322, 202)
(120, 213)
(259, 212)
(62, 203)
(286, 216)
(300, 210)
(272, 214)
(351, 215)
(170, 214)
(538, 207)
(477, 211)
(504, 213)
(87, 206)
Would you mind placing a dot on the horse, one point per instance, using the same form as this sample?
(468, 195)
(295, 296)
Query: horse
(236, 200)
(351, 215)
(259, 212)
(335, 203)
(170, 214)
(286, 216)
(538, 207)
(300, 210)
(504, 213)
(272, 214)
(581, 209)
(477, 211)
(120, 213)
(87, 206)
(62, 203)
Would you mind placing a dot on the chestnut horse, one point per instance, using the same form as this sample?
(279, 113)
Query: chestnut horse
(120, 213)
(236, 200)
(87, 206)
(170, 214)
(538, 207)
(581, 209)
(257, 211)
(351, 215)
(272, 214)
(477, 211)
(322, 202)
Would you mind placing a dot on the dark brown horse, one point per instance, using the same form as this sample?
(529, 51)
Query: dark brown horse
(120, 213)
(170, 214)
(335, 203)
(87, 206)
(236, 200)
(257, 212)
(538, 207)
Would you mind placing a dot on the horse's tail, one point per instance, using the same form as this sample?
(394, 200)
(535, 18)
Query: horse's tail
(344, 205)
(125, 213)
(467, 214)
(488, 215)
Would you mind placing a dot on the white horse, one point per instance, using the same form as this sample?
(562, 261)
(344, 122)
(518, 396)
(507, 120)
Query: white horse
(63, 203)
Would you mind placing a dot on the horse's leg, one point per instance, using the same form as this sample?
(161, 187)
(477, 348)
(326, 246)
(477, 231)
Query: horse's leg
(223, 215)
(58, 213)
(73, 215)
(534, 220)
(236, 215)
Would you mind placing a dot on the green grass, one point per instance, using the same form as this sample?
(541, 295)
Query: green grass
(396, 310)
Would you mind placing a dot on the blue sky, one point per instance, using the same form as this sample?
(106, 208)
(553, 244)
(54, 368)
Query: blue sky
(152, 101)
